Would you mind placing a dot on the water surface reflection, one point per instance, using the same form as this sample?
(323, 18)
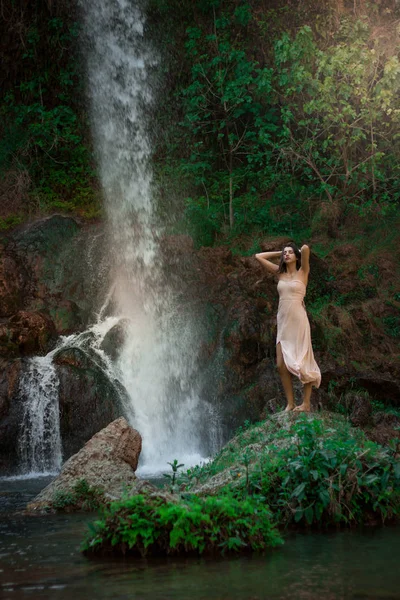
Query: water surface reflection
(40, 558)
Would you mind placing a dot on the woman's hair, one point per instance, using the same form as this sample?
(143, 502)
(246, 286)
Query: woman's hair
(282, 264)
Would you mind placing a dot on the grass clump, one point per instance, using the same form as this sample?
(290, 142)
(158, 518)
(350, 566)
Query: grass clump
(144, 526)
(81, 497)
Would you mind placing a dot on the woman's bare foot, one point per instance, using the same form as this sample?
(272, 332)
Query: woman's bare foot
(289, 407)
(302, 408)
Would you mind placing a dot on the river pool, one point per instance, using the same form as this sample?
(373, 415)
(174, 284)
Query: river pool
(40, 559)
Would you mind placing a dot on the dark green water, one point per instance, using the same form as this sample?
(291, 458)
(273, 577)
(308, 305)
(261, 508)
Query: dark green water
(40, 558)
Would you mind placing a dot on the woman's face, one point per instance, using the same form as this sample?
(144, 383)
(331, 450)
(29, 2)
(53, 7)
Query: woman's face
(289, 255)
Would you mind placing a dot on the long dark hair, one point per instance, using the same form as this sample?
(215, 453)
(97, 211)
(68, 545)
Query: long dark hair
(282, 264)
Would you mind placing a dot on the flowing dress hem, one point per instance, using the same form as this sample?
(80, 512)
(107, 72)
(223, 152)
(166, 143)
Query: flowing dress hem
(316, 381)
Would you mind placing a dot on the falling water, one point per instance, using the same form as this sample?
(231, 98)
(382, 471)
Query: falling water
(157, 363)
(40, 441)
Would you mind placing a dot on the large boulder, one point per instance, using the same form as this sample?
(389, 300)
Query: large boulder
(108, 462)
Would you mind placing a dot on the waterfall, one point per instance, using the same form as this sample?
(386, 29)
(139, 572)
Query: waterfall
(157, 364)
(40, 441)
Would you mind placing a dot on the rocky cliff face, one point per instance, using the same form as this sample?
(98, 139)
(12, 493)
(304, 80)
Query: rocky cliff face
(49, 287)
(54, 275)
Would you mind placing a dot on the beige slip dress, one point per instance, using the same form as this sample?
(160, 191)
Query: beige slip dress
(294, 333)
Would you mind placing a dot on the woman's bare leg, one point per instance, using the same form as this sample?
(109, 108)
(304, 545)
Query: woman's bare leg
(286, 378)
(306, 406)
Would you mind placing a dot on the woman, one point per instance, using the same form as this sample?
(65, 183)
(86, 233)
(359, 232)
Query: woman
(293, 343)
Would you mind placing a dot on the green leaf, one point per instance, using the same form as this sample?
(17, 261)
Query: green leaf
(309, 514)
(298, 515)
(299, 490)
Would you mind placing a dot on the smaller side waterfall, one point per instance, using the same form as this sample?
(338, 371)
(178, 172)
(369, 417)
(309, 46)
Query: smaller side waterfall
(40, 441)
(40, 445)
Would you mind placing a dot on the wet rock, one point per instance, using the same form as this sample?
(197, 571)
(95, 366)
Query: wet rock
(67, 317)
(88, 398)
(107, 461)
(10, 415)
(39, 271)
(114, 339)
(27, 333)
(44, 237)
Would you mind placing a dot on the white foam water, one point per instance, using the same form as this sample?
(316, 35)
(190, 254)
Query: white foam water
(40, 445)
(40, 440)
(158, 361)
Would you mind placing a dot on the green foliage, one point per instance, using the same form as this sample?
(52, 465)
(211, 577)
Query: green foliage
(379, 406)
(280, 131)
(392, 325)
(222, 112)
(81, 497)
(44, 128)
(10, 222)
(330, 477)
(311, 471)
(152, 526)
(303, 470)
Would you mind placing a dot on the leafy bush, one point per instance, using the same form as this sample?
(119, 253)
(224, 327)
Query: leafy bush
(151, 526)
(81, 497)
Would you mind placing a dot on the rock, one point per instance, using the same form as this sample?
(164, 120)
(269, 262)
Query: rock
(114, 339)
(10, 415)
(66, 316)
(361, 411)
(11, 285)
(386, 428)
(27, 333)
(88, 398)
(275, 244)
(382, 434)
(107, 461)
(39, 271)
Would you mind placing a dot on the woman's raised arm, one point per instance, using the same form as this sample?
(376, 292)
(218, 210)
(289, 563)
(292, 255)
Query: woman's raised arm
(263, 260)
(305, 259)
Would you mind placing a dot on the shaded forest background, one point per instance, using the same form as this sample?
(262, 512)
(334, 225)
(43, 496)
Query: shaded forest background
(273, 120)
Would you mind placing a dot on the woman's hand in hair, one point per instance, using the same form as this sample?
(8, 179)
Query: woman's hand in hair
(263, 257)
